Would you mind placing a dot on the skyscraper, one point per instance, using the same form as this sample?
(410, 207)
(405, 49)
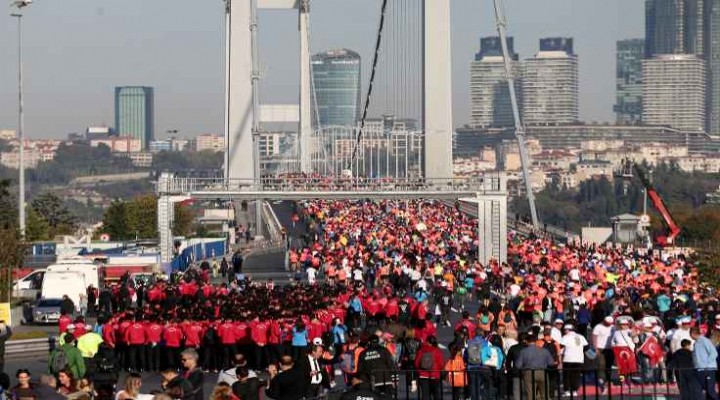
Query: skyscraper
(712, 59)
(490, 104)
(689, 27)
(674, 91)
(550, 84)
(628, 106)
(134, 113)
(336, 78)
(675, 27)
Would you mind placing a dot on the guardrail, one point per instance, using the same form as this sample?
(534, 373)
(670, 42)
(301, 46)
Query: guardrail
(172, 185)
(28, 348)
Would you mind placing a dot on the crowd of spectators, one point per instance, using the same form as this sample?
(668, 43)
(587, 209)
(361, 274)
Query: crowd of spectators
(377, 283)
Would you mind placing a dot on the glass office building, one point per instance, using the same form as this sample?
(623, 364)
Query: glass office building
(628, 106)
(134, 113)
(336, 78)
(490, 104)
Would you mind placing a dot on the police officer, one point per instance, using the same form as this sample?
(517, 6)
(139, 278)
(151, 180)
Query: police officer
(377, 361)
(362, 390)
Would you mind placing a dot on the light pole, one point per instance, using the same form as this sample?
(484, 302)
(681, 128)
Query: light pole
(21, 122)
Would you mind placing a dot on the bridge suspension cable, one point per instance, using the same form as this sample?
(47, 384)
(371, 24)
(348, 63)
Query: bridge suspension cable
(378, 42)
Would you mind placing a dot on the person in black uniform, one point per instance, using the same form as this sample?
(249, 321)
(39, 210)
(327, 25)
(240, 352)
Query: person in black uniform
(286, 384)
(362, 390)
(377, 362)
(682, 362)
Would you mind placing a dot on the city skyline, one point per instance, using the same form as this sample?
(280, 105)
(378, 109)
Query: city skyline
(183, 62)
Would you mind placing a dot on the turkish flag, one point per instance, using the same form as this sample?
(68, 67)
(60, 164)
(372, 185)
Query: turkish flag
(652, 349)
(625, 360)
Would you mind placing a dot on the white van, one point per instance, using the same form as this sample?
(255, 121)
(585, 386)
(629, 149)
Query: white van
(70, 277)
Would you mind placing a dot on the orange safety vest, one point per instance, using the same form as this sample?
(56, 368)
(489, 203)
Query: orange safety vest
(457, 377)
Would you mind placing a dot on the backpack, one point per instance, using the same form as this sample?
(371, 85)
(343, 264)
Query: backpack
(427, 362)
(474, 353)
(105, 364)
(59, 360)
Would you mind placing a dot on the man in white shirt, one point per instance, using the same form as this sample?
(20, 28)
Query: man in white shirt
(556, 332)
(682, 332)
(311, 275)
(601, 336)
(623, 337)
(573, 357)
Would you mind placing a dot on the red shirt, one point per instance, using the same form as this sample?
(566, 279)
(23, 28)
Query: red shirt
(242, 333)
(274, 334)
(153, 332)
(79, 329)
(109, 333)
(193, 335)
(63, 323)
(226, 333)
(135, 334)
(259, 332)
(120, 333)
(172, 335)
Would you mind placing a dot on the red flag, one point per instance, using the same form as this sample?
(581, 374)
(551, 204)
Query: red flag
(625, 360)
(652, 349)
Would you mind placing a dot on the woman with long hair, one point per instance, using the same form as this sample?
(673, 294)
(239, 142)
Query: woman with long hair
(131, 387)
(299, 340)
(66, 382)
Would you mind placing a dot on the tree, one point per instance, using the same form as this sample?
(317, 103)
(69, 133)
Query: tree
(36, 226)
(141, 217)
(114, 220)
(183, 220)
(53, 210)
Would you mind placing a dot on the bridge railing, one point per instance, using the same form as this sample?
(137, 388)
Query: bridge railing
(321, 184)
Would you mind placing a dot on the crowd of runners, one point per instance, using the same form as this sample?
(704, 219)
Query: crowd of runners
(379, 282)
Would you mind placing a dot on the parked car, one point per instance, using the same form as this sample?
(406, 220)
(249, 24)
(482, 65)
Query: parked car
(45, 311)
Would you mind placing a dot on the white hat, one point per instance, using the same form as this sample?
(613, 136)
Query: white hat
(568, 327)
(71, 327)
(559, 321)
(609, 319)
(317, 341)
(88, 327)
(647, 325)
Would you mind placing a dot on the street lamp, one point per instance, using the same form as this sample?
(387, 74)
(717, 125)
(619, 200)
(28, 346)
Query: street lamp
(21, 121)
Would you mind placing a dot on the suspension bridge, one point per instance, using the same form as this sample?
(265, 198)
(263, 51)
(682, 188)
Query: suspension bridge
(410, 157)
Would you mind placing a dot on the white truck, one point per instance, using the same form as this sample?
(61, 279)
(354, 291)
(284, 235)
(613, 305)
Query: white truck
(70, 277)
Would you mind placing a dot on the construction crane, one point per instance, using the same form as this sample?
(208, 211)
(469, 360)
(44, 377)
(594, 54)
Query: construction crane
(673, 230)
(519, 128)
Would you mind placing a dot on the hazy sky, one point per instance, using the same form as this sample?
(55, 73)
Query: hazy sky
(76, 51)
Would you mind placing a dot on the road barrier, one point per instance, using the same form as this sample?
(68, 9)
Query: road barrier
(28, 348)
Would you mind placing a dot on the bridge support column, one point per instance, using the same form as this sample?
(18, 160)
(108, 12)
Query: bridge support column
(437, 90)
(166, 216)
(492, 219)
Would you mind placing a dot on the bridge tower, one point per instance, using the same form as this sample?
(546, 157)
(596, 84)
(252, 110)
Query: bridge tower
(436, 90)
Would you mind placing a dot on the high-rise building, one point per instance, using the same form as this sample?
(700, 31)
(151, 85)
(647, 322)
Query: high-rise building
(689, 27)
(712, 59)
(134, 113)
(336, 78)
(490, 104)
(674, 91)
(675, 27)
(550, 84)
(628, 106)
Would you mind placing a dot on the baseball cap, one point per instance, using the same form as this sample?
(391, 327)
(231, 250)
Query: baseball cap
(568, 327)
(559, 321)
(317, 341)
(609, 319)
